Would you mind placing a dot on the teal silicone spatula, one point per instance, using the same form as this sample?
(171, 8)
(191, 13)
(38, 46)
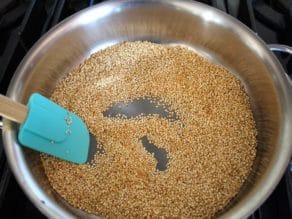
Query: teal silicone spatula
(49, 128)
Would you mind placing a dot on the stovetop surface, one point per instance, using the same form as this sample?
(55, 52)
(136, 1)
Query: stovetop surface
(23, 22)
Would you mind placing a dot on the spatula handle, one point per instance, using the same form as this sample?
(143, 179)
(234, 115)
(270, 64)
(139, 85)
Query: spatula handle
(12, 110)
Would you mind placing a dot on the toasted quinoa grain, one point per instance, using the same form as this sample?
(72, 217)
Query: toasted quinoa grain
(210, 155)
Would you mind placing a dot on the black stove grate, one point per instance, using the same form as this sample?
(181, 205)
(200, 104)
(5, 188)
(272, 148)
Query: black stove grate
(23, 22)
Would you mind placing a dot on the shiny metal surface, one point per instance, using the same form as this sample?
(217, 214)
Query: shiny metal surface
(208, 31)
(280, 48)
(283, 49)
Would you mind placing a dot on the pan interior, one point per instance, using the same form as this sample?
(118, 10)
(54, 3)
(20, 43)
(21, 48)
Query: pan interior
(146, 106)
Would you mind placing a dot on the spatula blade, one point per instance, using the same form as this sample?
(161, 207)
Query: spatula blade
(51, 129)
